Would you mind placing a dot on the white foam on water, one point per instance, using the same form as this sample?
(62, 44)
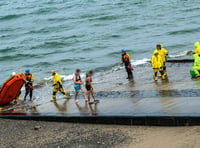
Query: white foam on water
(140, 62)
(180, 54)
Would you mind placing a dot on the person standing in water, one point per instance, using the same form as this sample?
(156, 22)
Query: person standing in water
(29, 84)
(163, 53)
(89, 87)
(57, 86)
(78, 85)
(156, 62)
(126, 60)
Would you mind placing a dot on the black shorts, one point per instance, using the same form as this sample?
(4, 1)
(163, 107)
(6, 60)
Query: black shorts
(88, 87)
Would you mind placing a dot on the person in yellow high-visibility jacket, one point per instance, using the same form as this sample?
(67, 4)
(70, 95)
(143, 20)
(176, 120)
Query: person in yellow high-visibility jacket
(197, 47)
(196, 65)
(57, 86)
(156, 61)
(163, 53)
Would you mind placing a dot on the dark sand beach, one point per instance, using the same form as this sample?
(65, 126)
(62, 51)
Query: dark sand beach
(21, 134)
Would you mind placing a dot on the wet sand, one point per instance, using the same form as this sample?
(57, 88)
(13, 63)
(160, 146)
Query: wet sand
(62, 135)
(119, 97)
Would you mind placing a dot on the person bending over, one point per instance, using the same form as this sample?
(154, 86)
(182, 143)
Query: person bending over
(78, 85)
(57, 86)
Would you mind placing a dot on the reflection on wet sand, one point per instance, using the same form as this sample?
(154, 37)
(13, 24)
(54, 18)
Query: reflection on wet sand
(87, 109)
(62, 108)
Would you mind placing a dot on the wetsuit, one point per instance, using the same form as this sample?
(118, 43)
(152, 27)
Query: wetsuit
(29, 85)
(126, 59)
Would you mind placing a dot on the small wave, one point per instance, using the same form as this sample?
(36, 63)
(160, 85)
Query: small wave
(181, 54)
(12, 16)
(140, 62)
(65, 77)
(185, 31)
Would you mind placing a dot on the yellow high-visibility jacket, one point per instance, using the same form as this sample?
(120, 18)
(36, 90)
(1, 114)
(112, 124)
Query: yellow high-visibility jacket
(196, 60)
(197, 50)
(163, 52)
(156, 61)
(57, 79)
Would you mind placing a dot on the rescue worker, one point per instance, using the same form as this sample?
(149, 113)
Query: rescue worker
(89, 87)
(29, 84)
(78, 85)
(17, 98)
(157, 63)
(196, 66)
(197, 48)
(126, 60)
(57, 86)
(163, 53)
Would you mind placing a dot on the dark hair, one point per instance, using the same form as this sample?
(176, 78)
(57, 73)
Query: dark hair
(90, 72)
(78, 70)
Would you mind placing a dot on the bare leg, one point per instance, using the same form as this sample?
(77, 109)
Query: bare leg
(75, 97)
(93, 95)
(83, 91)
(88, 96)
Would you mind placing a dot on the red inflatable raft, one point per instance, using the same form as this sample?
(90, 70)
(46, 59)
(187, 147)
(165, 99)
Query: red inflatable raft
(11, 88)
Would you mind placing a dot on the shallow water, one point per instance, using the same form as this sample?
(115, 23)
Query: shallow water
(64, 35)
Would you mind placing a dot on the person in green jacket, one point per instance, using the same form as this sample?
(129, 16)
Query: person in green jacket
(196, 66)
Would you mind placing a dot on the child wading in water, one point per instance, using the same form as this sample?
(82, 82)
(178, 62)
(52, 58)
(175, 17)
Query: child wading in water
(78, 85)
(90, 88)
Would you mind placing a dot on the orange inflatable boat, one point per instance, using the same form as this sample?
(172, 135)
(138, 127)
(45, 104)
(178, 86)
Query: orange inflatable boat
(11, 88)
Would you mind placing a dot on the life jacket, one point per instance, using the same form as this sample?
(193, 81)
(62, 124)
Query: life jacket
(126, 58)
(29, 77)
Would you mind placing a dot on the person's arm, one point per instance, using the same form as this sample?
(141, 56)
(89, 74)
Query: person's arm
(32, 78)
(76, 82)
(122, 60)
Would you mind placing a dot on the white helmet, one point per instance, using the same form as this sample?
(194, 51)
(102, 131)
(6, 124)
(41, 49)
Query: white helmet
(13, 73)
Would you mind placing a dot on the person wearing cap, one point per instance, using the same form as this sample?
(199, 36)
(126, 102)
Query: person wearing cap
(29, 84)
(163, 53)
(156, 61)
(196, 65)
(57, 86)
(126, 60)
(197, 48)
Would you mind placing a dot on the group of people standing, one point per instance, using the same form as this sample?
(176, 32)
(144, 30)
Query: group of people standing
(158, 62)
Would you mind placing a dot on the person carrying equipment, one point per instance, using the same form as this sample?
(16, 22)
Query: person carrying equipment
(89, 87)
(196, 66)
(163, 53)
(197, 48)
(57, 86)
(157, 63)
(29, 84)
(78, 85)
(126, 60)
